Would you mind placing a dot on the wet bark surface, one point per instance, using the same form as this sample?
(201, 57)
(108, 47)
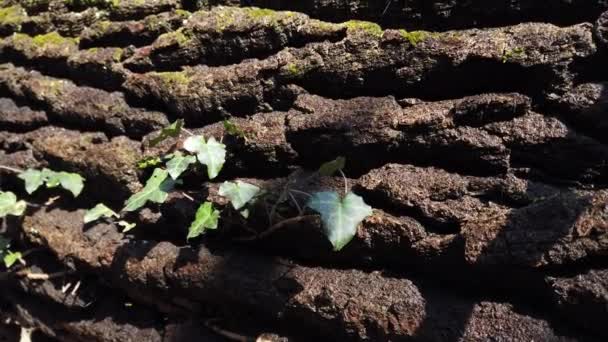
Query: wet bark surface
(476, 130)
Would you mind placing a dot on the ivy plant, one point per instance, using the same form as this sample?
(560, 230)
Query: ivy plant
(33, 179)
(340, 215)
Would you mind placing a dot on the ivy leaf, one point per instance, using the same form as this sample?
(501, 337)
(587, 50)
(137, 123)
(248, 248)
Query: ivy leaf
(11, 258)
(331, 167)
(147, 162)
(340, 217)
(171, 131)
(51, 178)
(126, 226)
(33, 179)
(9, 204)
(72, 182)
(232, 129)
(100, 210)
(206, 218)
(211, 153)
(179, 163)
(239, 193)
(156, 190)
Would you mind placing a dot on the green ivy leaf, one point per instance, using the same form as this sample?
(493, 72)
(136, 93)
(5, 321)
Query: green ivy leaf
(51, 178)
(100, 210)
(147, 162)
(232, 129)
(156, 190)
(239, 193)
(206, 218)
(211, 153)
(11, 258)
(72, 182)
(126, 226)
(9, 204)
(171, 131)
(340, 217)
(179, 163)
(33, 179)
(331, 167)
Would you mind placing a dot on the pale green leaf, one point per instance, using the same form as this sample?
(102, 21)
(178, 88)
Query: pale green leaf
(171, 131)
(33, 179)
(9, 204)
(210, 153)
(72, 182)
(11, 258)
(100, 210)
(179, 163)
(340, 216)
(126, 226)
(331, 167)
(156, 190)
(206, 218)
(51, 178)
(239, 193)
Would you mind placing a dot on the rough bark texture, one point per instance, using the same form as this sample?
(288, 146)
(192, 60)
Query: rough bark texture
(482, 148)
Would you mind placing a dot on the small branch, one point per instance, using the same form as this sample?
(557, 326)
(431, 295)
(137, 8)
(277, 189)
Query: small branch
(76, 287)
(296, 203)
(41, 276)
(12, 169)
(301, 192)
(30, 251)
(187, 131)
(345, 182)
(278, 226)
(225, 333)
(188, 196)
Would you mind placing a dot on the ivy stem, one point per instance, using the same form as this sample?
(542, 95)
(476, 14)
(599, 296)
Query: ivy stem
(278, 226)
(301, 192)
(296, 203)
(12, 169)
(188, 196)
(225, 333)
(345, 182)
(187, 131)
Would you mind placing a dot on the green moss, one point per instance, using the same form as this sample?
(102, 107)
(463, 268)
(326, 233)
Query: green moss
(52, 87)
(13, 15)
(173, 77)
(513, 53)
(52, 38)
(183, 13)
(103, 26)
(176, 37)
(257, 13)
(415, 37)
(292, 69)
(366, 26)
(117, 55)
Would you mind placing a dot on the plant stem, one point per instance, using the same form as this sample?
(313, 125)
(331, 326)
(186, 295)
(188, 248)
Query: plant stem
(301, 192)
(12, 169)
(187, 131)
(345, 182)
